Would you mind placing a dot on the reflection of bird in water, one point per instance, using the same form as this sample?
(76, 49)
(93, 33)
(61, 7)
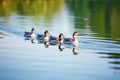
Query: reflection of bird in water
(32, 41)
(30, 35)
(44, 36)
(52, 40)
(46, 44)
(60, 47)
(72, 40)
(56, 40)
(75, 51)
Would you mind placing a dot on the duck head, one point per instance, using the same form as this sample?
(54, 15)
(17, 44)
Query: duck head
(32, 30)
(75, 34)
(46, 32)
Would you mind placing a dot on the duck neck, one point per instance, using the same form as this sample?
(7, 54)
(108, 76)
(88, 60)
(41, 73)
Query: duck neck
(32, 32)
(61, 38)
(74, 37)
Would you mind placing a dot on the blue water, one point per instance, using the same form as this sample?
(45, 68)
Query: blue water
(21, 59)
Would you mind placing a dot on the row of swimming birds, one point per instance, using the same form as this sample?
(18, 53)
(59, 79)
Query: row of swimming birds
(46, 37)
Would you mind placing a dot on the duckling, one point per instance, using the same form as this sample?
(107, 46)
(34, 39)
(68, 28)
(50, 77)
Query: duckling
(73, 40)
(31, 34)
(44, 36)
(56, 40)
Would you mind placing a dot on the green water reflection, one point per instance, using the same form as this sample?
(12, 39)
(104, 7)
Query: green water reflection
(114, 59)
(100, 16)
(36, 8)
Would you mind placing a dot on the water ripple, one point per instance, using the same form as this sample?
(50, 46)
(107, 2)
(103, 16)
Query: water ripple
(85, 43)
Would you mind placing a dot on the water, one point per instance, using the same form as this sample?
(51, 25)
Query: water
(98, 56)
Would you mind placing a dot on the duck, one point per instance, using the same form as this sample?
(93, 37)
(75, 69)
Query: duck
(31, 34)
(56, 40)
(44, 36)
(72, 40)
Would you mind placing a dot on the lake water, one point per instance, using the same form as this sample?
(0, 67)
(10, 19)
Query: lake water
(98, 52)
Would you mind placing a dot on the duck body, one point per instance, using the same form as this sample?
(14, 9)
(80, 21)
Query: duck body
(53, 40)
(29, 34)
(42, 37)
(70, 41)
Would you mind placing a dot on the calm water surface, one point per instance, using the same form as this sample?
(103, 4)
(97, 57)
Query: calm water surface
(98, 56)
